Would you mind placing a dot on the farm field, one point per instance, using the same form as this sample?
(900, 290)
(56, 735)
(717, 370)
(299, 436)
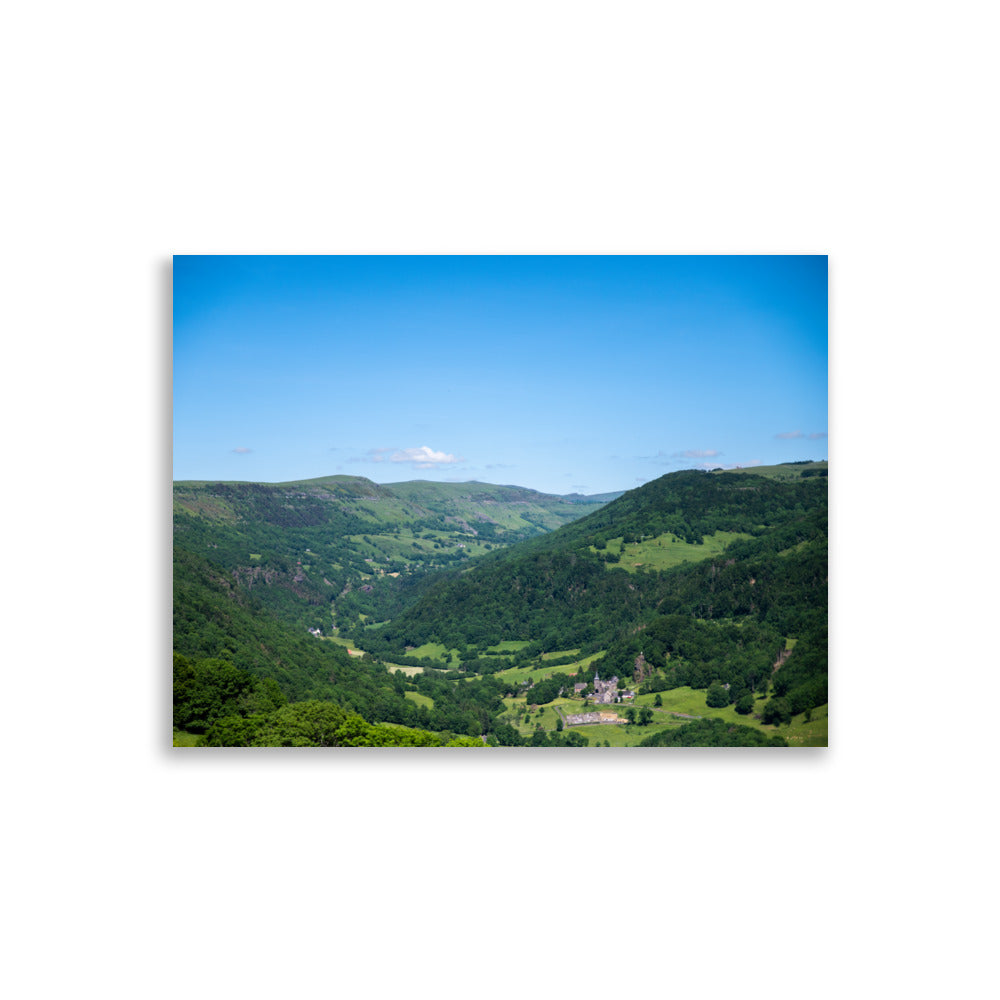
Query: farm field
(346, 643)
(405, 546)
(664, 552)
(434, 651)
(689, 701)
(391, 667)
(406, 669)
(508, 646)
(784, 473)
(539, 671)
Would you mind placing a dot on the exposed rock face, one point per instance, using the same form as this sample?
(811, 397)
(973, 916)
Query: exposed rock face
(642, 668)
(247, 576)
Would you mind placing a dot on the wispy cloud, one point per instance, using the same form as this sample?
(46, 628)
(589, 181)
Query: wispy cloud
(817, 435)
(677, 457)
(242, 451)
(424, 457)
(420, 458)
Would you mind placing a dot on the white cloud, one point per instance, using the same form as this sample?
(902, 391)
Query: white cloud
(422, 457)
(242, 451)
(789, 435)
(817, 435)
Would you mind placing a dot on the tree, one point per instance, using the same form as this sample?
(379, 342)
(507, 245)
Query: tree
(658, 701)
(717, 696)
(645, 715)
(745, 704)
(776, 712)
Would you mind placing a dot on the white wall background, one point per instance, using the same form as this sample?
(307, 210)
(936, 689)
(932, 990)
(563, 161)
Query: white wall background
(137, 131)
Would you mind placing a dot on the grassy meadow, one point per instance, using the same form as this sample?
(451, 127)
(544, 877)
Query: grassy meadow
(782, 473)
(665, 551)
(419, 699)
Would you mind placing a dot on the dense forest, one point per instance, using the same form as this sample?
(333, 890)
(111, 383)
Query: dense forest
(452, 616)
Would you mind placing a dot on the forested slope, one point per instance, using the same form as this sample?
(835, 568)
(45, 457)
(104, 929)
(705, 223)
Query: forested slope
(236, 665)
(726, 619)
(346, 545)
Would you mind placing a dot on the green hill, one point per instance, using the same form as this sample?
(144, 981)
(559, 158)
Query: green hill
(346, 545)
(699, 588)
(724, 620)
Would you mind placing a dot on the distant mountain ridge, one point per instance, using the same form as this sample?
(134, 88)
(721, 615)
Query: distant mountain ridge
(304, 543)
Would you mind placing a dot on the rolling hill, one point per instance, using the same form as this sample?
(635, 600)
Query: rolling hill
(726, 572)
(475, 604)
(303, 545)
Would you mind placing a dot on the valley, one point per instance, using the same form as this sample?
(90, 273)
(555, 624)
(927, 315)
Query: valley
(472, 614)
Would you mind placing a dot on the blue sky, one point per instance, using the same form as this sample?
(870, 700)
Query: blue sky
(564, 374)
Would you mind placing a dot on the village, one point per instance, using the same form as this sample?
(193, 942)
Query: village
(605, 693)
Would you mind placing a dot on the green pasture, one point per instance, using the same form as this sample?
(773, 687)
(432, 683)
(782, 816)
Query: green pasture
(508, 646)
(529, 672)
(434, 651)
(546, 715)
(800, 733)
(391, 667)
(785, 473)
(409, 671)
(340, 641)
(581, 664)
(183, 739)
(690, 701)
(539, 671)
(664, 552)
(408, 546)
(420, 699)
(621, 736)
